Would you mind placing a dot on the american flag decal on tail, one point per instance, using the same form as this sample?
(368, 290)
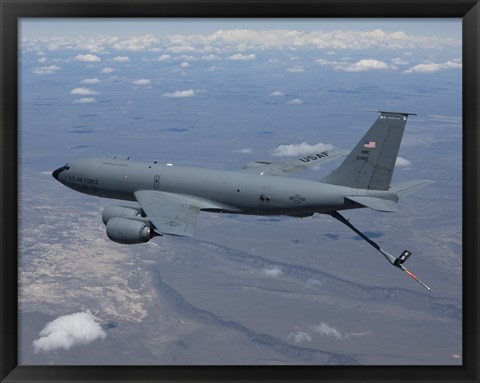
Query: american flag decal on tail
(369, 144)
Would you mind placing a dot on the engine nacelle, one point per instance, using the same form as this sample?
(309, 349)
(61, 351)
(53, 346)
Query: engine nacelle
(128, 231)
(120, 212)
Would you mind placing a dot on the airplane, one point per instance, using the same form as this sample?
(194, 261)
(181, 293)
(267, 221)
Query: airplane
(170, 197)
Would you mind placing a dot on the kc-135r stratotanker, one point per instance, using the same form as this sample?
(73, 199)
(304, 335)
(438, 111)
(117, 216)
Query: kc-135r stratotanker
(170, 197)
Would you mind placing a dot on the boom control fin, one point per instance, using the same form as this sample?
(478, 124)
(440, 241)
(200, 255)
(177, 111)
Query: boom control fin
(397, 262)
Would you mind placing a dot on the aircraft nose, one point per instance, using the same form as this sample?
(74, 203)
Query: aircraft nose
(57, 172)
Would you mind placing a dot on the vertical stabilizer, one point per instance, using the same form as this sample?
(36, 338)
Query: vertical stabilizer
(370, 164)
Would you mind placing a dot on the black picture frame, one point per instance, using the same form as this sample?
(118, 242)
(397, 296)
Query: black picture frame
(13, 10)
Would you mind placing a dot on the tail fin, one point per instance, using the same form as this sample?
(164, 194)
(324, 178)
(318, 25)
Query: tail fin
(370, 164)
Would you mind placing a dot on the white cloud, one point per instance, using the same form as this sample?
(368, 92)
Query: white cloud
(402, 162)
(186, 58)
(90, 81)
(299, 336)
(295, 101)
(88, 58)
(340, 39)
(42, 60)
(359, 66)
(51, 69)
(209, 57)
(276, 94)
(121, 59)
(245, 151)
(430, 67)
(68, 331)
(296, 69)
(363, 66)
(326, 62)
(293, 39)
(324, 329)
(273, 271)
(232, 35)
(83, 92)
(165, 58)
(85, 100)
(181, 93)
(399, 61)
(142, 82)
(358, 334)
(293, 150)
(108, 70)
(241, 57)
(136, 43)
(184, 65)
(184, 48)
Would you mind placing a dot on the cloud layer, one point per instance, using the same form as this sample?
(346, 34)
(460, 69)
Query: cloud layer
(68, 331)
(342, 50)
(238, 41)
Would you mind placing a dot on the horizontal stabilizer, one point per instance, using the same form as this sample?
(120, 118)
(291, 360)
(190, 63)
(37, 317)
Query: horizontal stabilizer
(405, 188)
(375, 203)
(385, 112)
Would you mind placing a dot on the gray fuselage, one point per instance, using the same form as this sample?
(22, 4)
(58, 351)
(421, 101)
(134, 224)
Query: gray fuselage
(222, 191)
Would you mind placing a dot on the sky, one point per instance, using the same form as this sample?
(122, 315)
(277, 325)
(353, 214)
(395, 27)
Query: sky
(221, 93)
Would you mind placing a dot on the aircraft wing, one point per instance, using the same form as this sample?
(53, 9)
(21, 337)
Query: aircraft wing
(170, 213)
(286, 168)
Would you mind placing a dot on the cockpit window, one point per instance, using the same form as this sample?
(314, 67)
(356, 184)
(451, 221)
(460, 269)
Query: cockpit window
(66, 167)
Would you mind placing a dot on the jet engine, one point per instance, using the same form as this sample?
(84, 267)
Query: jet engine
(121, 212)
(128, 231)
